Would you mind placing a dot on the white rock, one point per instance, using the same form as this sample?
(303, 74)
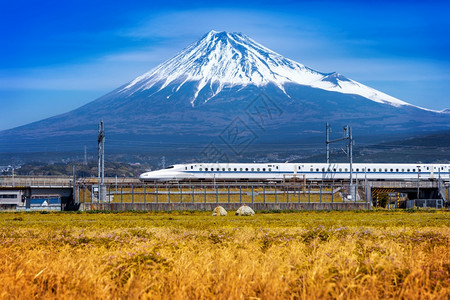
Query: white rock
(245, 210)
(219, 211)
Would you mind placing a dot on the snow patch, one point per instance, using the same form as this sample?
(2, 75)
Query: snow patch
(233, 59)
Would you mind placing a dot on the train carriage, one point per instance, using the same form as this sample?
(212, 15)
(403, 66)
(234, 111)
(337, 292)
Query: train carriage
(289, 171)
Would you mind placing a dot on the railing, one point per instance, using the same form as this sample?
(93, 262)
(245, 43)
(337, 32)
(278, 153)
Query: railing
(35, 181)
(216, 193)
(58, 181)
(403, 184)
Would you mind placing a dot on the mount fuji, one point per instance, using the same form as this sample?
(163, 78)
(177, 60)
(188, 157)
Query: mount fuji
(228, 91)
(222, 59)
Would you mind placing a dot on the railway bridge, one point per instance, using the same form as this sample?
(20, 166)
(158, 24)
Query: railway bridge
(25, 192)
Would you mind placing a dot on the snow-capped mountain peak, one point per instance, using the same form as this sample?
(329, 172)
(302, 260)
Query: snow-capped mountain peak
(223, 59)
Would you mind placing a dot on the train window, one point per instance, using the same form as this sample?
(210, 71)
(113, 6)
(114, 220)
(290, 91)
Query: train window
(317, 170)
(312, 169)
(334, 170)
(240, 169)
(277, 167)
(185, 168)
(340, 169)
(253, 169)
(346, 170)
(229, 169)
(428, 168)
(223, 169)
(392, 170)
(396, 170)
(374, 170)
(206, 169)
(357, 169)
(299, 168)
(192, 167)
(246, 169)
(270, 169)
(201, 169)
(414, 170)
(403, 170)
(257, 169)
(407, 170)
(323, 169)
(235, 169)
(264, 169)
(368, 170)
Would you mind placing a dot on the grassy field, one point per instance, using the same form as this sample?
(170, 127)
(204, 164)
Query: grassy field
(305, 255)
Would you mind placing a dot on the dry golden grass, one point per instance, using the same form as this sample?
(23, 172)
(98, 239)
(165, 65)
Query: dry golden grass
(308, 255)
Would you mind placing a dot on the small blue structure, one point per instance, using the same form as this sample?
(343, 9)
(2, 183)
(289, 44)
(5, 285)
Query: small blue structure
(44, 202)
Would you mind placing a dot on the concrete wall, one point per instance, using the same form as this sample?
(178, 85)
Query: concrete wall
(227, 206)
(11, 197)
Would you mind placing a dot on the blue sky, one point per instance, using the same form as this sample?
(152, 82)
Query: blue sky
(58, 55)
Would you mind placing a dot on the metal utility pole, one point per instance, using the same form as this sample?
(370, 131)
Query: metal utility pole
(348, 132)
(101, 162)
(348, 129)
(328, 131)
(418, 182)
(85, 156)
(347, 136)
(74, 186)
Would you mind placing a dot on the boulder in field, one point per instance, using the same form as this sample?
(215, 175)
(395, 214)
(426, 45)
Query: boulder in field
(245, 210)
(219, 211)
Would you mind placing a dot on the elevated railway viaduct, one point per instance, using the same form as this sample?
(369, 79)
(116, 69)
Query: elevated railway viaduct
(131, 194)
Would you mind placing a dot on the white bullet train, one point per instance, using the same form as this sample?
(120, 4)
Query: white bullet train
(308, 171)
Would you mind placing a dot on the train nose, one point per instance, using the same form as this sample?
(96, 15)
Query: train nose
(157, 176)
(154, 175)
(163, 175)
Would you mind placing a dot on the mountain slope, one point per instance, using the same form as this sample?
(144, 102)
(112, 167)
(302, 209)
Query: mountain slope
(229, 91)
(222, 59)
